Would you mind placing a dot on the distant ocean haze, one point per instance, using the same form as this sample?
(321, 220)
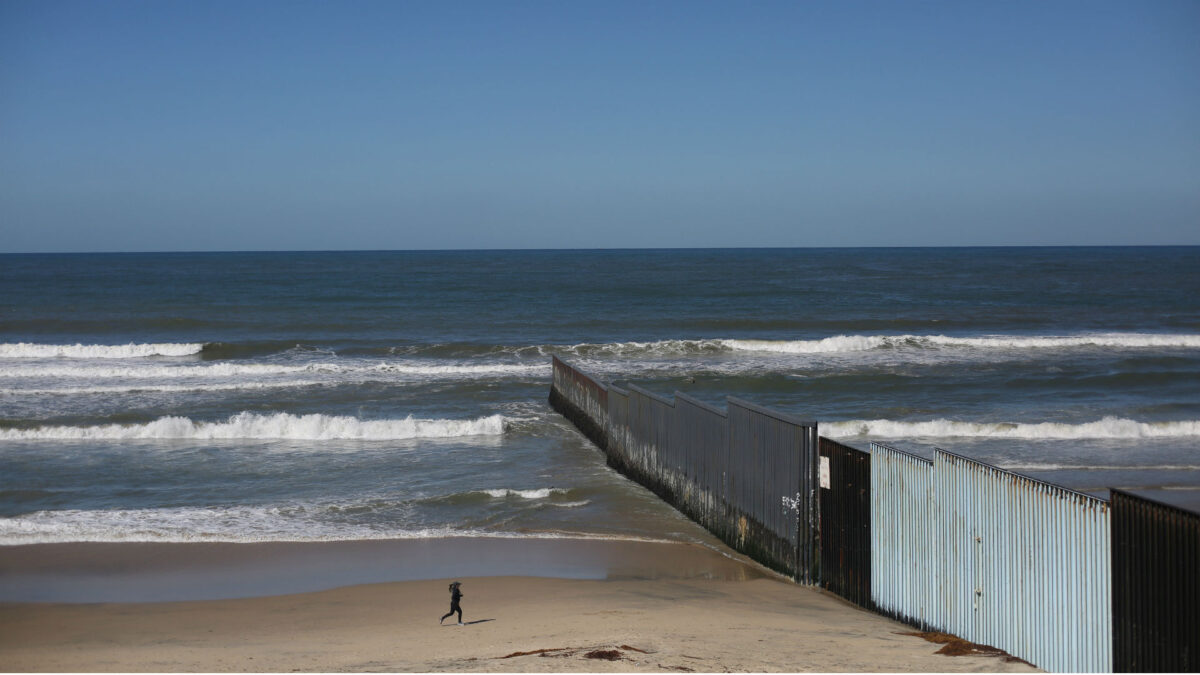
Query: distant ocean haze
(330, 396)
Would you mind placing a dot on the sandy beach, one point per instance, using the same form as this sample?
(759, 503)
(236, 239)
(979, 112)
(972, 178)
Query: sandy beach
(659, 607)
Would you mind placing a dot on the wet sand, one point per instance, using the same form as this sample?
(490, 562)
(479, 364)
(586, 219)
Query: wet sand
(158, 572)
(648, 606)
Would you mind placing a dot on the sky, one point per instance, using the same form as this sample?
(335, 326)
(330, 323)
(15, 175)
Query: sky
(170, 125)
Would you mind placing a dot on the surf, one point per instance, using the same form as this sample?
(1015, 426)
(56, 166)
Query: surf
(225, 369)
(861, 343)
(1105, 428)
(248, 425)
(29, 350)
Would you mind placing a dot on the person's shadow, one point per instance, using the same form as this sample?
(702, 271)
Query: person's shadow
(468, 623)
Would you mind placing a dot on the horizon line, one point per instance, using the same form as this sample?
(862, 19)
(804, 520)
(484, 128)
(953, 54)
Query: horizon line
(595, 249)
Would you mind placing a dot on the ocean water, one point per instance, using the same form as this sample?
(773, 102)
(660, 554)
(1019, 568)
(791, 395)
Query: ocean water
(380, 395)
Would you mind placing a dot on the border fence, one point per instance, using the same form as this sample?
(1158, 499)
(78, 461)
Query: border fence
(1156, 586)
(747, 474)
(1062, 579)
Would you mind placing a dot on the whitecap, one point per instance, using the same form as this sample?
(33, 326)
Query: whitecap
(1108, 427)
(247, 425)
(28, 350)
(540, 493)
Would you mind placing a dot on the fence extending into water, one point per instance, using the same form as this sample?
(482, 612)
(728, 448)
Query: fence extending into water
(747, 474)
(1062, 579)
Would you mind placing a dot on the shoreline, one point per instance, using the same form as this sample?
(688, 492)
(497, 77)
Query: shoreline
(647, 606)
(135, 572)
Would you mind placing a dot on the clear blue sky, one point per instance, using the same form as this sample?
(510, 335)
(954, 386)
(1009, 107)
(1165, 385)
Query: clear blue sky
(213, 125)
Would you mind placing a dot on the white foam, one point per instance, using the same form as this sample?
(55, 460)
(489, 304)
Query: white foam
(633, 348)
(134, 388)
(1108, 427)
(236, 524)
(248, 425)
(469, 370)
(1118, 340)
(859, 343)
(541, 493)
(840, 343)
(225, 370)
(27, 350)
(1098, 467)
(157, 372)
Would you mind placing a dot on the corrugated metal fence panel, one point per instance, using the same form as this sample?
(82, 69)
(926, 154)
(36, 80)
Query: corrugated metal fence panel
(845, 509)
(1025, 565)
(904, 548)
(773, 482)
(1156, 586)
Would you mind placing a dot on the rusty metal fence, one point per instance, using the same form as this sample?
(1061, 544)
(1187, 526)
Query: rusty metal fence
(1062, 579)
(1156, 586)
(747, 474)
(844, 475)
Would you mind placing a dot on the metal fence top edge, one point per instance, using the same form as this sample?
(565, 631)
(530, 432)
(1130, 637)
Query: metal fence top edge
(649, 394)
(1125, 494)
(680, 396)
(848, 447)
(781, 416)
(883, 447)
(595, 380)
(1038, 481)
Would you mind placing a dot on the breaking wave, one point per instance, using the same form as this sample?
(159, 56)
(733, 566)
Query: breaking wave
(162, 388)
(264, 369)
(859, 343)
(239, 524)
(541, 493)
(248, 425)
(1097, 467)
(1108, 427)
(27, 350)
(676, 347)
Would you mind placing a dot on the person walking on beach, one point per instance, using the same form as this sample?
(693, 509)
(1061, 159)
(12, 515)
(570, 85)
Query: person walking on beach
(455, 596)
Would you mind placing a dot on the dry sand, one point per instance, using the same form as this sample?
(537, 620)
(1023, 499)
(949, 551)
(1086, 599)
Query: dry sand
(752, 622)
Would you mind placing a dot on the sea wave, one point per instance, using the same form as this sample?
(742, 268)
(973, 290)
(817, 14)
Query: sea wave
(268, 369)
(654, 348)
(216, 351)
(28, 350)
(1044, 466)
(1108, 427)
(540, 493)
(161, 388)
(241, 524)
(859, 343)
(247, 425)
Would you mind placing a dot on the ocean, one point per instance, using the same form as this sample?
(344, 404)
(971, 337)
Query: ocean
(334, 396)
